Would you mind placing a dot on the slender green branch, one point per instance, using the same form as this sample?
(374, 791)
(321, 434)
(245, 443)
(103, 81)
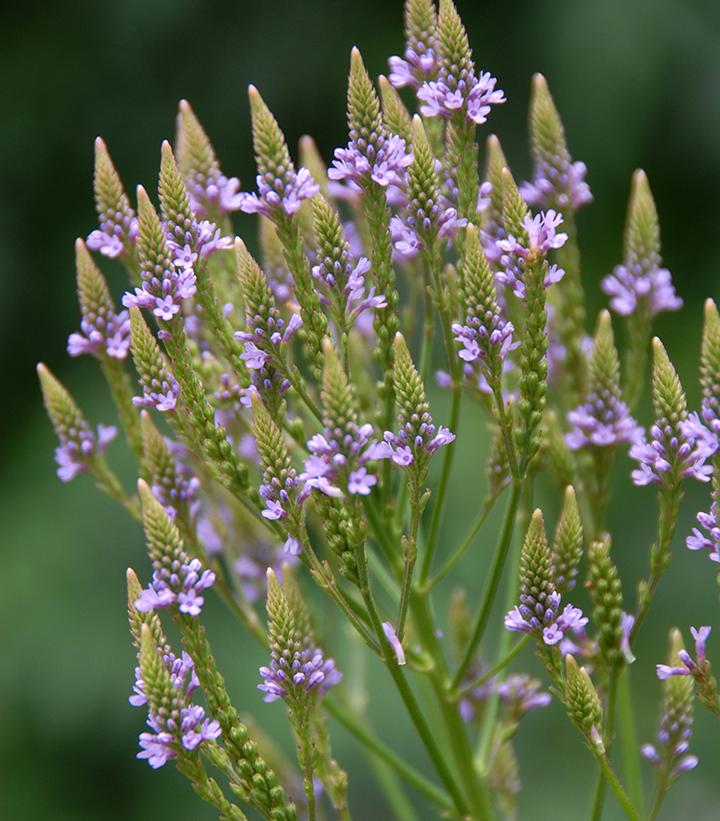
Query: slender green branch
(501, 552)
(628, 741)
(387, 754)
(599, 799)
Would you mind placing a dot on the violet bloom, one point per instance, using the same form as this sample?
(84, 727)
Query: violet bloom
(670, 752)
(641, 284)
(690, 667)
(176, 582)
(557, 183)
(79, 447)
(165, 284)
(541, 616)
(292, 676)
(602, 421)
(394, 642)
(118, 229)
(376, 157)
(341, 282)
(464, 92)
(710, 523)
(212, 191)
(541, 237)
(338, 459)
(180, 724)
(486, 340)
(684, 452)
(410, 230)
(281, 192)
(160, 391)
(520, 694)
(102, 333)
(419, 61)
(177, 487)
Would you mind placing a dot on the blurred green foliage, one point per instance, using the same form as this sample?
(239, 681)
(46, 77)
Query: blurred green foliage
(636, 83)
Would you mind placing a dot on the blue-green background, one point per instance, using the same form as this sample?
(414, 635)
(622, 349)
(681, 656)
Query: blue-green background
(638, 84)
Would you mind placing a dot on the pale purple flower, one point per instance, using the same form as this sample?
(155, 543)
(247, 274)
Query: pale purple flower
(116, 235)
(394, 642)
(544, 618)
(557, 183)
(520, 694)
(379, 158)
(293, 676)
(690, 667)
(160, 391)
(670, 450)
(419, 61)
(177, 583)
(641, 284)
(102, 333)
(213, 192)
(449, 95)
(180, 725)
(341, 283)
(602, 421)
(710, 523)
(337, 460)
(163, 291)
(282, 192)
(541, 237)
(79, 447)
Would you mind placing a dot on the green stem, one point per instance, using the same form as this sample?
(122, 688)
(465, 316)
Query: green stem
(501, 552)
(120, 385)
(599, 799)
(628, 741)
(616, 786)
(409, 562)
(464, 545)
(659, 798)
(387, 754)
(442, 487)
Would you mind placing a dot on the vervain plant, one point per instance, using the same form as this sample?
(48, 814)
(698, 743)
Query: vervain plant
(277, 407)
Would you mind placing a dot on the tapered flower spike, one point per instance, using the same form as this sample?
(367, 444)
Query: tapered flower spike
(160, 388)
(567, 545)
(118, 224)
(340, 454)
(211, 193)
(427, 215)
(281, 189)
(419, 60)
(176, 489)
(539, 609)
(79, 448)
(582, 701)
(670, 752)
(608, 618)
(557, 182)
(486, 338)
(710, 367)
(603, 420)
(178, 580)
(677, 448)
(164, 284)
(395, 115)
(103, 331)
(492, 222)
(339, 277)
(418, 438)
(273, 261)
(298, 669)
(640, 284)
(458, 88)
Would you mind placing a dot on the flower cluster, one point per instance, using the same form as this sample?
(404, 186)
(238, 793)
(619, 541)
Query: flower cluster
(541, 236)
(690, 666)
(419, 59)
(668, 449)
(179, 724)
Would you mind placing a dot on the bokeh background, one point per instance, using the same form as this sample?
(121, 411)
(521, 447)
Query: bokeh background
(637, 83)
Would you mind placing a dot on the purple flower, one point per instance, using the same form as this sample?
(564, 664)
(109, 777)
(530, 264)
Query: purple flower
(163, 289)
(337, 460)
(603, 420)
(292, 676)
(103, 333)
(280, 192)
(176, 582)
(180, 724)
(684, 452)
(116, 235)
(342, 283)
(419, 61)
(710, 523)
(450, 94)
(640, 283)
(541, 237)
(557, 183)
(394, 642)
(690, 667)
(212, 191)
(160, 391)
(79, 447)
(541, 616)
(520, 694)
(381, 159)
